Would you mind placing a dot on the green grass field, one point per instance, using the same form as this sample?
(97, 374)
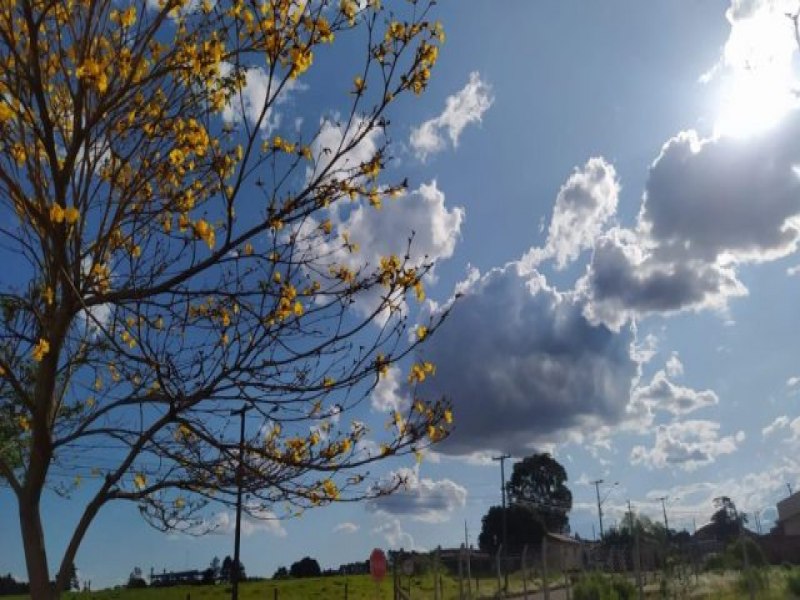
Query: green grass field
(710, 586)
(358, 587)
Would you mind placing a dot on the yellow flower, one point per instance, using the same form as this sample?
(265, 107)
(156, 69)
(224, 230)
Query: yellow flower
(48, 295)
(359, 85)
(349, 10)
(422, 332)
(6, 113)
(448, 416)
(330, 489)
(56, 213)
(41, 349)
(205, 232)
(18, 153)
(179, 503)
(24, 423)
(140, 481)
(71, 215)
(128, 17)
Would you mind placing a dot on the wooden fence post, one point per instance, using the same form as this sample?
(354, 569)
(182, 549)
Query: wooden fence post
(545, 582)
(525, 570)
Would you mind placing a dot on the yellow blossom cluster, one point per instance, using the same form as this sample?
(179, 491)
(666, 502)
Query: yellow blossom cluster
(420, 371)
(40, 350)
(392, 273)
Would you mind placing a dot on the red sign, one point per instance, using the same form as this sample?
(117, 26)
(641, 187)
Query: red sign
(377, 564)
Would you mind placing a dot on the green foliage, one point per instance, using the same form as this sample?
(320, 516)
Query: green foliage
(523, 527)
(538, 482)
(752, 578)
(793, 583)
(715, 562)
(597, 586)
(735, 557)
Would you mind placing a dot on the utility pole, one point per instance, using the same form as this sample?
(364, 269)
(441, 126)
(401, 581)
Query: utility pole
(666, 522)
(236, 570)
(637, 556)
(502, 458)
(597, 483)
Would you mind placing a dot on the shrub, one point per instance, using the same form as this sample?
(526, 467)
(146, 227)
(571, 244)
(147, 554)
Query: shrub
(793, 583)
(755, 555)
(597, 586)
(715, 562)
(757, 578)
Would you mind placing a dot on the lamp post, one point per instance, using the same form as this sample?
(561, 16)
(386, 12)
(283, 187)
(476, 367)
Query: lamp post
(596, 484)
(236, 570)
(502, 458)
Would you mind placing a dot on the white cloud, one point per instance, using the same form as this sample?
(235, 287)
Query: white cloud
(421, 217)
(674, 365)
(254, 520)
(421, 214)
(343, 148)
(346, 527)
(663, 395)
(259, 90)
(698, 224)
(420, 498)
(686, 445)
(395, 536)
(583, 206)
(465, 107)
(793, 382)
(390, 393)
(779, 423)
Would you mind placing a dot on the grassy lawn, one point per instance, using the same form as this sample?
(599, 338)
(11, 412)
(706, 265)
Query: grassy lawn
(359, 587)
(710, 586)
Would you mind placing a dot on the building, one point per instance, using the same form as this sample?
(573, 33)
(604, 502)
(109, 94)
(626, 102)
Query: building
(564, 553)
(789, 515)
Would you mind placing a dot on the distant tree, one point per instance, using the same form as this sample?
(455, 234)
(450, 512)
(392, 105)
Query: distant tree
(305, 567)
(727, 522)
(136, 579)
(538, 483)
(215, 566)
(226, 571)
(523, 526)
(10, 586)
(74, 584)
(208, 577)
(281, 573)
(642, 524)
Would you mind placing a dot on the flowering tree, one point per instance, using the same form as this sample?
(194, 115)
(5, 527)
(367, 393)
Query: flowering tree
(175, 257)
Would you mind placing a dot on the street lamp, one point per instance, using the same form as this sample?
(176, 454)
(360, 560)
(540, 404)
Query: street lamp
(502, 458)
(239, 475)
(596, 484)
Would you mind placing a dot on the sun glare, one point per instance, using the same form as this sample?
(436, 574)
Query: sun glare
(758, 82)
(753, 103)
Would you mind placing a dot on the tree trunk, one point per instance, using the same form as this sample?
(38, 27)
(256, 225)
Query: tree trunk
(35, 554)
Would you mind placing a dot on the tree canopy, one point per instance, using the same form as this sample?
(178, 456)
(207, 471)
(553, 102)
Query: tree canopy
(539, 502)
(538, 482)
(305, 567)
(178, 254)
(523, 527)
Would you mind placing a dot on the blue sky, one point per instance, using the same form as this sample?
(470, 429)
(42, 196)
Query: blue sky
(611, 187)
